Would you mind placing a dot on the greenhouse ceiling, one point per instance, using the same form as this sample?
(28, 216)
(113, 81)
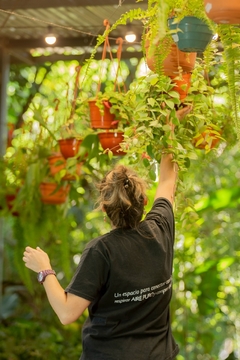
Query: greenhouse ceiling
(76, 24)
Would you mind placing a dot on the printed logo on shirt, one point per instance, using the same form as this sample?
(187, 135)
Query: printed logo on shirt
(143, 294)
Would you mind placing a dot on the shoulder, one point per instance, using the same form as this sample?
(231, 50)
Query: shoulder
(98, 244)
(161, 206)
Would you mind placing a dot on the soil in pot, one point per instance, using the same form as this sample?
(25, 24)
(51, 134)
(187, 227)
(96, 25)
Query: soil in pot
(111, 141)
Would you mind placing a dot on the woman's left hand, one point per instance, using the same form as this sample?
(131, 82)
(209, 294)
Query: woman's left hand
(36, 259)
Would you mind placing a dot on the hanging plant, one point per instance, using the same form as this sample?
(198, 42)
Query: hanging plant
(190, 34)
(208, 138)
(182, 84)
(230, 38)
(67, 169)
(53, 193)
(222, 11)
(111, 142)
(109, 109)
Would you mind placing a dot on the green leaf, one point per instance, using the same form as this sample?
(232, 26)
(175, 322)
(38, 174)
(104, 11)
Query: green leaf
(110, 154)
(174, 94)
(151, 101)
(187, 162)
(170, 104)
(146, 162)
(150, 151)
(152, 175)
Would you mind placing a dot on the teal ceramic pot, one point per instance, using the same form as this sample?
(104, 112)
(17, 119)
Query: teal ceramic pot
(193, 35)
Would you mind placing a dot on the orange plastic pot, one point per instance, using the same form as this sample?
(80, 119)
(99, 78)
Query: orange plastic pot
(182, 84)
(173, 61)
(69, 147)
(223, 11)
(111, 141)
(99, 120)
(57, 163)
(52, 193)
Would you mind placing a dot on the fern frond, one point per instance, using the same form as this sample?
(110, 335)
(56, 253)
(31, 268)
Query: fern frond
(230, 37)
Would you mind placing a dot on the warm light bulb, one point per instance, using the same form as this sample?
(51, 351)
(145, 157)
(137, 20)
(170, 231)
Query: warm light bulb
(50, 39)
(130, 37)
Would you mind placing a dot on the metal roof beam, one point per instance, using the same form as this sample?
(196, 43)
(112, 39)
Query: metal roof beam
(43, 4)
(75, 42)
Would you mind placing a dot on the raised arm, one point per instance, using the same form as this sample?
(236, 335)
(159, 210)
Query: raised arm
(168, 168)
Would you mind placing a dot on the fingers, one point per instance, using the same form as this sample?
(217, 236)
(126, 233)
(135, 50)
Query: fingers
(184, 111)
(28, 252)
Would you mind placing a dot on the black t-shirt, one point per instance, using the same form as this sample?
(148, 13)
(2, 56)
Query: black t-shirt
(127, 276)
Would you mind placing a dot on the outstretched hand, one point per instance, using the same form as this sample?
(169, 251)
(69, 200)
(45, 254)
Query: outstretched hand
(36, 259)
(183, 112)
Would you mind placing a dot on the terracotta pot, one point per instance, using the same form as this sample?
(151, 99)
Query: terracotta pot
(223, 11)
(174, 59)
(193, 34)
(182, 84)
(69, 147)
(10, 203)
(111, 141)
(102, 121)
(207, 139)
(57, 163)
(52, 193)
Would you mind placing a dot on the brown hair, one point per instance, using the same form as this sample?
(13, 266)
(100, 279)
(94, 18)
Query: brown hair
(122, 196)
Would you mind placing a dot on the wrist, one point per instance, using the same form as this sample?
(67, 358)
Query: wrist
(43, 274)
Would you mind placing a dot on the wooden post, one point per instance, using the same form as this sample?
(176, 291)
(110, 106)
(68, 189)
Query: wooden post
(4, 78)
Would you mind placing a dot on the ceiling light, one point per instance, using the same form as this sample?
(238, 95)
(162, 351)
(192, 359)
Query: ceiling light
(50, 38)
(130, 36)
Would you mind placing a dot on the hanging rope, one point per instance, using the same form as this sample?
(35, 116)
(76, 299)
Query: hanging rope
(119, 42)
(106, 46)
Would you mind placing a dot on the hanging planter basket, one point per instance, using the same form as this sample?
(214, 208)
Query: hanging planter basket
(101, 116)
(193, 35)
(57, 163)
(10, 198)
(223, 11)
(207, 140)
(174, 60)
(69, 147)
(182, 84)
(111, 141)
(101, 119)
(53, 193)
